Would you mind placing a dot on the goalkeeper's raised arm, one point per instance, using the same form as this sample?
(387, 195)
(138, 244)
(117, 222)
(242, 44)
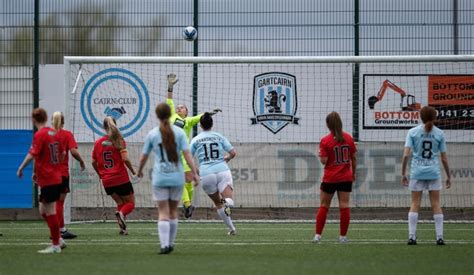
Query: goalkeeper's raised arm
(181, 110)
(194, 120)
(215, 111)
(172, 80)
(180, 113)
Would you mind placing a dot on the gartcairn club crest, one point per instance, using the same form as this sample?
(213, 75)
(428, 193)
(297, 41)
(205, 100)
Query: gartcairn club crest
(274, 100)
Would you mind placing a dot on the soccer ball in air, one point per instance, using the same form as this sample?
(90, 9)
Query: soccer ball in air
(190, 33)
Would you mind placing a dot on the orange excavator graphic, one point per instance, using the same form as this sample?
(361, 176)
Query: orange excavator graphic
(407, 103)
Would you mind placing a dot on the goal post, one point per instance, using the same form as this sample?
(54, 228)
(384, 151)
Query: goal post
(274, 111)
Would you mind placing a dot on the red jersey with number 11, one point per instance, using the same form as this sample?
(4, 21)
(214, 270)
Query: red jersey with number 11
(338, 167)
(112, 170)
(46, 150)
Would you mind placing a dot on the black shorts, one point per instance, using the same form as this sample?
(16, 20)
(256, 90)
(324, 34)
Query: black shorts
(65, 185)
(121, 190)
(50, 193)
(331, 188)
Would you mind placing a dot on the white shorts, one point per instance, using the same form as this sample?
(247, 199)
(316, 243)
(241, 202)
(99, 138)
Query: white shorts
(421, 185)
(217, 182)
(167, 193)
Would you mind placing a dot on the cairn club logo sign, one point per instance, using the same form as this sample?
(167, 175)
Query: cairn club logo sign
(118, 93)
(274, 100)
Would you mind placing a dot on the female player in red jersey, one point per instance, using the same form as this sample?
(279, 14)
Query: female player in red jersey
(110, 161)
(68, 144)
(46, 151)
(337, 153)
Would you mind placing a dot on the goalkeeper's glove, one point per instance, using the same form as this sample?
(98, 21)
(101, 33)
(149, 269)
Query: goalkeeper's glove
(215, 111)
(172, 79)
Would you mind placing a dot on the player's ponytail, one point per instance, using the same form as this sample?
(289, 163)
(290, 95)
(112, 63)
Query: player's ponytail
(334, 123)
(163, 112)
(113, 132)
(58, 120)
(428, 116)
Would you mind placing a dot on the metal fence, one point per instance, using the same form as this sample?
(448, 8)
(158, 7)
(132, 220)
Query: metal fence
(245, 27)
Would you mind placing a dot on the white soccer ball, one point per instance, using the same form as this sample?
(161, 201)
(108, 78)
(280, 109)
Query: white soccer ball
(190, 33)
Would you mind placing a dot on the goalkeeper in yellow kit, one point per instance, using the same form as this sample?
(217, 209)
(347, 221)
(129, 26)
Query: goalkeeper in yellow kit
(179, 117)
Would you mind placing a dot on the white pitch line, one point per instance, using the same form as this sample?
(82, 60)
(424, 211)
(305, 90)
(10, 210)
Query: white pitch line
(276, 222)
(230, 240)
(242, 243)
(150, 240)
(250, 222)
(241, 228)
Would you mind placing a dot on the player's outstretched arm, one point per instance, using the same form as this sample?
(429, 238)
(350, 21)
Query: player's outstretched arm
(194, 120)
(215, 111)
(172, 80)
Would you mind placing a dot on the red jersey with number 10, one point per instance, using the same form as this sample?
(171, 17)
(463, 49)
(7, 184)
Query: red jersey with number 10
(112, 170)
(46, 150)
(68, 142)
(338, 167)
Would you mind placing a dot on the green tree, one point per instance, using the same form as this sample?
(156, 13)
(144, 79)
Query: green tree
(88, 30)
(19, 50)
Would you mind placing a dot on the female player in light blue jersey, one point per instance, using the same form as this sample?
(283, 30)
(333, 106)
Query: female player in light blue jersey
(167, 142)
(213, 152)
(425, 144)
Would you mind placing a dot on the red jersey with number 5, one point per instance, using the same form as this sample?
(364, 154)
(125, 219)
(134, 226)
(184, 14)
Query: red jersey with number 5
(112, 170)
(67, 143)
(338, 167)
(46, 150)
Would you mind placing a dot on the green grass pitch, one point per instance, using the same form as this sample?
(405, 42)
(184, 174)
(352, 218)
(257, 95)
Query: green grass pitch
(204, 248)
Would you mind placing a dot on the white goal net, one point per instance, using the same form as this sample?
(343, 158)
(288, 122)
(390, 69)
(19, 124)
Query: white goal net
(273, 112)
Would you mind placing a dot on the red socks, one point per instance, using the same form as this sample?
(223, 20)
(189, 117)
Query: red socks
(321, 219)
(344, 220)
(52, 221)
(345, 216)
(60, 212)
(126, 208)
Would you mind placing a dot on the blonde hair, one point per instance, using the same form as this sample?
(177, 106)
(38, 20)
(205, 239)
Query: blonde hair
(113, 132)
(58, 120)
(334, 123)
(163, 112)
(428, 116)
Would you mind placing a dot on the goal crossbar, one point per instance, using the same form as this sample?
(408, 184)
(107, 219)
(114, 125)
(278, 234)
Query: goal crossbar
(268, 59)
